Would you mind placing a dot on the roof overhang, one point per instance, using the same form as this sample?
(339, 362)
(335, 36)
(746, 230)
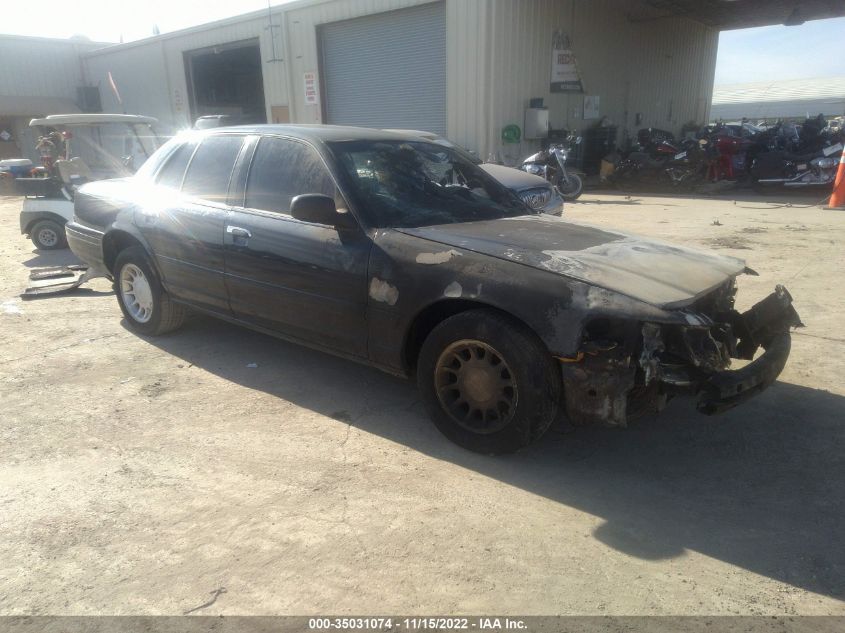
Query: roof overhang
(726, 15)
(91, 119)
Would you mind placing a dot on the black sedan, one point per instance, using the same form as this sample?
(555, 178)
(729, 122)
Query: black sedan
(401, 253)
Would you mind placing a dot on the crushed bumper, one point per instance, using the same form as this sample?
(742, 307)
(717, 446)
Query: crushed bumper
(767, 324)
(607, 384)
(86, 243)
(726, 389)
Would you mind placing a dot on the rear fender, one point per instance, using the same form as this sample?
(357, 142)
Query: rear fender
(36, 209)
(116, 238)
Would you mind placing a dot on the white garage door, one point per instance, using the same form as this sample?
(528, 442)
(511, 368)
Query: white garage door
(388, 70)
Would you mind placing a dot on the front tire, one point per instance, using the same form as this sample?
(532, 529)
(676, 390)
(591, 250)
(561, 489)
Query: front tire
(48, 235)
(488, 383)
(147, 308)
(571, 187)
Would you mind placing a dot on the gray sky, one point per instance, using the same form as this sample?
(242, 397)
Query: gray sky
(764, 54)
(107, 20)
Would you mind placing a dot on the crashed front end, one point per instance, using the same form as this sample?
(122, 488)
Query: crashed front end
(626, 368)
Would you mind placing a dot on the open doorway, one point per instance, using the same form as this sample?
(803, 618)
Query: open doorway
(227, 80)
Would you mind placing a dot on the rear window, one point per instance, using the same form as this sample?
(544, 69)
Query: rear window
(211, 168)
(174, 169)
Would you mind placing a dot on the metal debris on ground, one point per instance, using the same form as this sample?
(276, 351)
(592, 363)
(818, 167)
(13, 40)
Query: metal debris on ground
(58, 280)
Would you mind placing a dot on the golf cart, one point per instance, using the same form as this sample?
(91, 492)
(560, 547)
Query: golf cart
(75, 149)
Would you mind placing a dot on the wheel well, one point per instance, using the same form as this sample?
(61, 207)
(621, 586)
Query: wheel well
(113, 243)
(45, 216)
(430, 317)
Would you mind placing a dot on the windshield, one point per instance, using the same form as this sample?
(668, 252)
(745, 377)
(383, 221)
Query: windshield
(110, 150)
(417, 183)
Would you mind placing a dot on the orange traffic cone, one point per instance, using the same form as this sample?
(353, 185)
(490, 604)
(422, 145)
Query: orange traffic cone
(837, 198)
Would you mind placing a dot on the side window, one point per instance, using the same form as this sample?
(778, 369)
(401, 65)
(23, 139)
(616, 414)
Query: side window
(283, 169)
(174, 169)
(209, 172)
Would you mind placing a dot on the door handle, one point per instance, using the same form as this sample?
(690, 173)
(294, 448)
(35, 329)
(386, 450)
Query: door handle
(236, 231)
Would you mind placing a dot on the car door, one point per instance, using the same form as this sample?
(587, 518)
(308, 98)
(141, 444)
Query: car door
(183, 221)
(306, 281)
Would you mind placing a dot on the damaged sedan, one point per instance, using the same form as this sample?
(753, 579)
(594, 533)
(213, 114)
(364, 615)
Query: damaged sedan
(403, 254)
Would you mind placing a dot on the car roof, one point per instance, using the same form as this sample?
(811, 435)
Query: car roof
(91, 119)
(324, 133)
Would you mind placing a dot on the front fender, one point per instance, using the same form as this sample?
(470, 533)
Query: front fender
(408, 274)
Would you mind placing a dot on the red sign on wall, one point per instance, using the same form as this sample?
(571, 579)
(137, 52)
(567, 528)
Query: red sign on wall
(312, 94)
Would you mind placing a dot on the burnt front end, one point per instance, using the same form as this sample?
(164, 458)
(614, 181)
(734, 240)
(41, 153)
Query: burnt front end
(627, 368)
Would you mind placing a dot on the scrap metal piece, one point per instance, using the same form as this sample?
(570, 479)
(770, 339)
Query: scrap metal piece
(652, 346)
(51, 281)
(58, 271)
(596, 390)
(726, 389)
(764, 321)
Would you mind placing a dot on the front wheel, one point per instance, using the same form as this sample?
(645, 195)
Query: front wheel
(571, 187)
(147, 307)
(488, 383)
(48, 235)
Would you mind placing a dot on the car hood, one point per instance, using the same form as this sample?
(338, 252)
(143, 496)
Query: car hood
(658, 273)
(514, 178)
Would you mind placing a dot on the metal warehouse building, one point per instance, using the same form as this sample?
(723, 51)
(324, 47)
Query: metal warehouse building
(37, 76)
(462, 68)
(797, 98)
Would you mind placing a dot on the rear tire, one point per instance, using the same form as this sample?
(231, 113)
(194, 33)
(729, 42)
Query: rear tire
(488, 383)
(48, 235)
(147, 307)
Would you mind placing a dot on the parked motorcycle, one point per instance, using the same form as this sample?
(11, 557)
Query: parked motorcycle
(550, 163)
(657, 143)
(797, 170)
(684, 169)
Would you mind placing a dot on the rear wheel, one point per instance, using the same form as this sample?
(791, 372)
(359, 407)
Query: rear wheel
(488, 383)
(147, 308)
(48, 235)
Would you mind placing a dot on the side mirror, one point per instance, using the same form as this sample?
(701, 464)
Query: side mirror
(315, 208)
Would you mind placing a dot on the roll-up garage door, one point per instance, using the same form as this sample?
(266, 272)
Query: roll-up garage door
(387, 70)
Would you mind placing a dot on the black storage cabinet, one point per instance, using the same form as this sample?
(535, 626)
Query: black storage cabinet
(598, 143)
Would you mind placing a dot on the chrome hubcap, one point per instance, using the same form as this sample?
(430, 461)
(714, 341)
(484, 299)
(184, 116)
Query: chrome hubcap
(475, 386)
(47, 237)
(136, 293)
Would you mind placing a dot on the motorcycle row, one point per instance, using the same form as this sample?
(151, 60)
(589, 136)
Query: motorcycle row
(782, 155)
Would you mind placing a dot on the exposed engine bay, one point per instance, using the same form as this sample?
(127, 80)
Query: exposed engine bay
(626, 369)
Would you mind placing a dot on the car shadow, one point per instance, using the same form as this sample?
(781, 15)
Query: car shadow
(50, 259)
(759, 487)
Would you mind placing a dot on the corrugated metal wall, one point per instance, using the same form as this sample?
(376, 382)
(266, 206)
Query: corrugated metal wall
(663, 69)
(499, 56)
(151, 74)
(39, 71)
(365, 69)
(301, 24)
(140, 77)
(674, 67)
(38, 76)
